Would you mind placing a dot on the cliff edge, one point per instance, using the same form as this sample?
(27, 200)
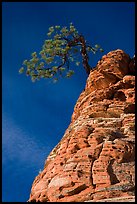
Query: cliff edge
(95, 159)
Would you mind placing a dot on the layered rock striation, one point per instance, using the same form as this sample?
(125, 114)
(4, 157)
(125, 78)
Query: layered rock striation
(95, 158)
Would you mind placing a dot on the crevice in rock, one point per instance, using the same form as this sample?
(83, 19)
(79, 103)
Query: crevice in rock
(61, 196)
(86, 141)
(113, 178)
(77, 189)
(116, 135)
(91, 176)
(130, 109)
(94, 158)
(119, 95)
(129, 154)
(79, 173)
(33, 200)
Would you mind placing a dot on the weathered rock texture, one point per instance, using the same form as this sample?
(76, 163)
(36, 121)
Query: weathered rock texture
(95, 158)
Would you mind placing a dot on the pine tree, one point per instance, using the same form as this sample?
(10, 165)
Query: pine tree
(63, 47)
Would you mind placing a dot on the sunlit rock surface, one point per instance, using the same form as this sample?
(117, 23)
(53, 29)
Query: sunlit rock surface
(95, 159)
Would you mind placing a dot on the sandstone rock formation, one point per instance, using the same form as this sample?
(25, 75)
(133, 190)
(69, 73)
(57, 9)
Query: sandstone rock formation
(94, 161)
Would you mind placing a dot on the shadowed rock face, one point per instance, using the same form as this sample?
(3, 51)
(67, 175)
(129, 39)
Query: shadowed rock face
(95, 158)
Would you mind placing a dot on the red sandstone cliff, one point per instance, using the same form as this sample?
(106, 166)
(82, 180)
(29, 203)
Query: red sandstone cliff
(94, 161)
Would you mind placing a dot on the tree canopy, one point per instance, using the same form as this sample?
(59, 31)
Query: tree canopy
(62, 50)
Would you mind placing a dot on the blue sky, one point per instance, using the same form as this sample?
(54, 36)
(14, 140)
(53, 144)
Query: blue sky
(36, 115)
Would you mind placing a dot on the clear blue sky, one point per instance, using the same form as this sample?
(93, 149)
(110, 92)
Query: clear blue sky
(36, 115)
